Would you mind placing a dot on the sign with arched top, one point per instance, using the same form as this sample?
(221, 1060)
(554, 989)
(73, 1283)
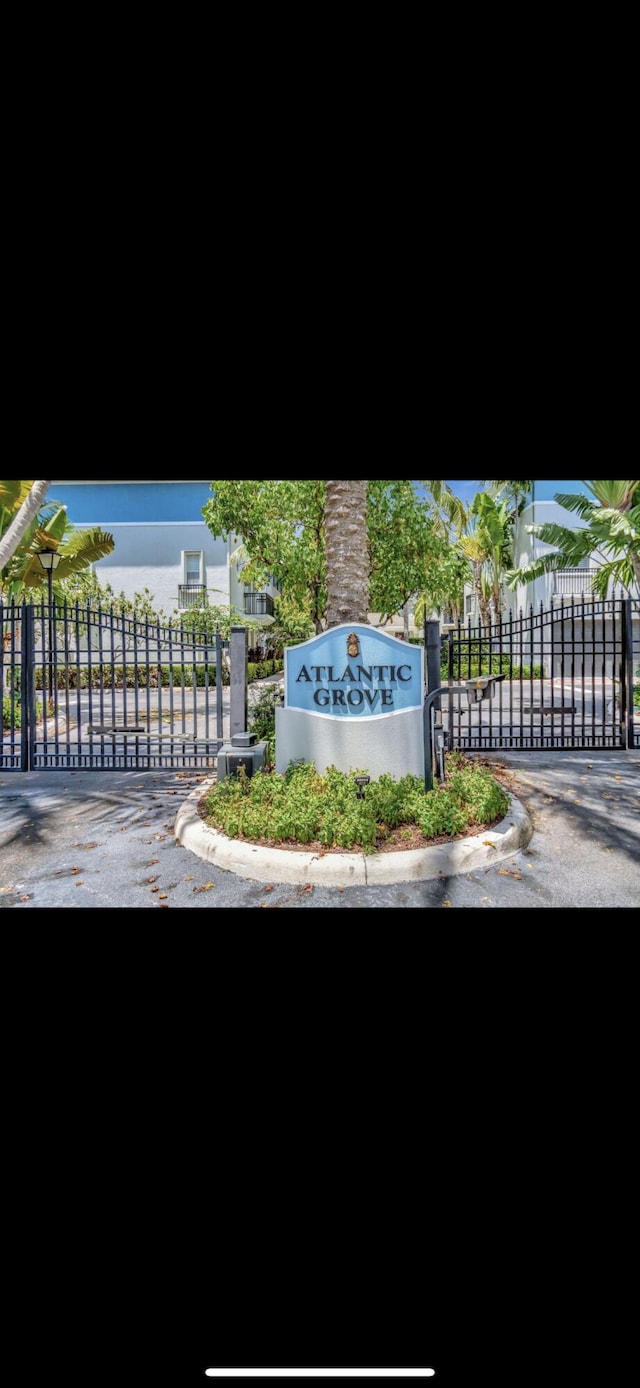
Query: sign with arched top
(353, 671)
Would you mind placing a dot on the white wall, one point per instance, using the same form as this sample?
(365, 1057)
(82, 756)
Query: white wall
(150, 556)
(528, 547)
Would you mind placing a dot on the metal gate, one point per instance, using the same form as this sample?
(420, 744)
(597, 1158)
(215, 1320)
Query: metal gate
(87, 688)
(568, 679)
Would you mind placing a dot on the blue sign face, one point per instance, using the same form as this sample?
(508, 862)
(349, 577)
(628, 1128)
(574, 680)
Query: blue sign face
(353, 672)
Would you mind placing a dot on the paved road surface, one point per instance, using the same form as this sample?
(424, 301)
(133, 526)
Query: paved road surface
(105, 839)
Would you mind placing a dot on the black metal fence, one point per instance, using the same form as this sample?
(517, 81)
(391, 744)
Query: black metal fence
(84, 687)
(568, 679)
(91, 688)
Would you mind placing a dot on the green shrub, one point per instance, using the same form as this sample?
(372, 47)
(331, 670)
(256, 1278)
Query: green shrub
(302, 806)
(262, 717)
(10, 709)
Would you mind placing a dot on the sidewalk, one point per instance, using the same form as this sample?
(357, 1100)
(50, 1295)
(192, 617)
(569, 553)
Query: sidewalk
(107, 839)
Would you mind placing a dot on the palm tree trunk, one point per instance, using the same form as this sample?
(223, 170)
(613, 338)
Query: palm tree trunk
(347, 553)
(21, 522)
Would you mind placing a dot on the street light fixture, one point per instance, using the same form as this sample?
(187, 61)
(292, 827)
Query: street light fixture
(49, 558)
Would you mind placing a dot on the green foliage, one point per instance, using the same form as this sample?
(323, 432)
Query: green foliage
(282, 525)
(77, 549)
(12, 712)
(610, 531)
(262, 717)
(204, 621)
(477, 658)
(443, 583)
(282, 529)
(134, 676)
(261, 669)
(406, 549)
(303, 806)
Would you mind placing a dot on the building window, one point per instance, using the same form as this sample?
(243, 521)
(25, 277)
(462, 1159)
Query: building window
(192, 592)
(193, 566)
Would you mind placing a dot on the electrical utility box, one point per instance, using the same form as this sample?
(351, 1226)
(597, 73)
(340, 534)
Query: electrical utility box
(243, 753)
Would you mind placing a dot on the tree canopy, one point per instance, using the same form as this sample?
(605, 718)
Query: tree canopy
(283, 529)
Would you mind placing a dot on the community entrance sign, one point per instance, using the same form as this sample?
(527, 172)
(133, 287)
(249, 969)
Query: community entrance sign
(353, 698)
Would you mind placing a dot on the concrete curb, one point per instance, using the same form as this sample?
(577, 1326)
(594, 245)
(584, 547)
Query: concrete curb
(349, 869)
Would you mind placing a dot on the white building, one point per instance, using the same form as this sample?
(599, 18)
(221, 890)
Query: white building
(163, 544)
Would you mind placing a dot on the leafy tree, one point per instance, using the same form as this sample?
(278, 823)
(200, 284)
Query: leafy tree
(282, 528)
(413, 557)
(610, 532)
(443, 587)
(284, 531)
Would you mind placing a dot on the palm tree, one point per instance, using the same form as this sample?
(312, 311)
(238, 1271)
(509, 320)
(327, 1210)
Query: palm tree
(611, 531)
(51, 529)
(347, 553)
(20, 503)
(475, 548)
(495, 531)
(448, 510)
(515, 492)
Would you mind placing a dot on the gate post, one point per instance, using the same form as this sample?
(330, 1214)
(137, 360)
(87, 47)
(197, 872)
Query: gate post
(626, 683)
(219, 693)
(27, 689)
(432, 657)
(238, 680)
(432, 673)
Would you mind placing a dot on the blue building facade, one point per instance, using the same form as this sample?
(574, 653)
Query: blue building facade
(162, 544)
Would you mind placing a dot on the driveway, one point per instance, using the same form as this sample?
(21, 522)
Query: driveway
(106, 839)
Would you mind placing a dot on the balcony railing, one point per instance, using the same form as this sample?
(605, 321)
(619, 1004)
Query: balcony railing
(191, 596)
(258, 605)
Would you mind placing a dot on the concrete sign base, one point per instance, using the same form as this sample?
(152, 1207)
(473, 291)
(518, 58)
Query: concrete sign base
(391, 744)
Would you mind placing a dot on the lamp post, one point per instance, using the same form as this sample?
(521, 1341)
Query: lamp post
(50, 559)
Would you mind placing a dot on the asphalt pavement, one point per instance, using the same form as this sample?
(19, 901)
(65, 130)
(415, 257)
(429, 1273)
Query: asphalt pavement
(107, 839)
